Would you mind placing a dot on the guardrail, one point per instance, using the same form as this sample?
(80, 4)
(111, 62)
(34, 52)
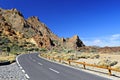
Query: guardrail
(84, 64)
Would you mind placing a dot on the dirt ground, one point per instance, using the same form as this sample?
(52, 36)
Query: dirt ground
(111, 57)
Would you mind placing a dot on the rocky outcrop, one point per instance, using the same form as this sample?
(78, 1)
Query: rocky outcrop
(74, 42)
(14, 26)
(41, 28)
(43, 41)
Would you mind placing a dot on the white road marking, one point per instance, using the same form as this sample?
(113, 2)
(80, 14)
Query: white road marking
(27, 76)
(20, 67)
(17, 61)
(40, 63)
(54, 70)
(23, 71)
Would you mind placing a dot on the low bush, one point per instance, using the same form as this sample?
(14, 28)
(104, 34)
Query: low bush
(94, 56)
(117, 67)
(107, 63)
(86, 56)
(10, 58)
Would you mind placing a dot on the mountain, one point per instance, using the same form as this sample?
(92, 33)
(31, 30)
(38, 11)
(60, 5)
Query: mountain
(32, 32)
(101, 50)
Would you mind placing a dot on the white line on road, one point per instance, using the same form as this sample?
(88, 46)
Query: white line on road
(23, 71)
(27, 76)
(40, 63)
(54, 70)
(20, 67)
(17, 61)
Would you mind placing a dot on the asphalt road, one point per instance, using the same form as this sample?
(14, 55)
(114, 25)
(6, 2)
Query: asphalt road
(40, 69)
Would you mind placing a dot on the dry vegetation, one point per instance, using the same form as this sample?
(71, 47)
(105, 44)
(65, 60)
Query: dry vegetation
(91, 58)
(10, 58)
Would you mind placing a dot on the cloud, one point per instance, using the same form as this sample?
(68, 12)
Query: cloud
(115, 37)
(97, 41)
(112, 40)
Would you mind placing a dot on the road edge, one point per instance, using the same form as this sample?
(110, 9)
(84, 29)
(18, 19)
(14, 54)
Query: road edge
(21, 68)
(80, 69)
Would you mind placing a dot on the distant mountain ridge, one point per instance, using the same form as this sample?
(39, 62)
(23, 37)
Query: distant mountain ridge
(16, 28)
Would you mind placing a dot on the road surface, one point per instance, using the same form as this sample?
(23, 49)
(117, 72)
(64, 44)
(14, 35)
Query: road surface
(36, 68)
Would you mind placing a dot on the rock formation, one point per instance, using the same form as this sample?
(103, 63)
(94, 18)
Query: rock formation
(15, 27)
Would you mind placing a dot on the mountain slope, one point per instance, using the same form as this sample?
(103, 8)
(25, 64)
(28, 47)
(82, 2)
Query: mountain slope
(16, 28)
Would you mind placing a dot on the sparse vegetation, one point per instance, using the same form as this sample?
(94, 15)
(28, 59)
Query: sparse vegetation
(4, 58)
(10, 49)
(71, 55)
(43, 50)
(107, 63)
(117, 67)
(85, 59)
(90, 58)
(88, 55)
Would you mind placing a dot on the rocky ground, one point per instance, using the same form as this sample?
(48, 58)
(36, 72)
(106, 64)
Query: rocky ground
(11, 72)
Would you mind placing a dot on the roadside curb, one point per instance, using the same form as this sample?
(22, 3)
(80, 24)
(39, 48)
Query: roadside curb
(26, 75)
(4, 63)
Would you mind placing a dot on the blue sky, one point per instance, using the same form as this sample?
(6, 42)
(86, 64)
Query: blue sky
(96, 22)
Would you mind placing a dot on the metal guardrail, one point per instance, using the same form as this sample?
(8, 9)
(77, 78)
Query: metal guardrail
(84, 64)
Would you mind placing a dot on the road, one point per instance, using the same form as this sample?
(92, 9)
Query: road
(38, 68)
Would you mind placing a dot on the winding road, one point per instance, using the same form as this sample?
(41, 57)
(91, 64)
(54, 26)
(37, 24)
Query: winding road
(36, 68)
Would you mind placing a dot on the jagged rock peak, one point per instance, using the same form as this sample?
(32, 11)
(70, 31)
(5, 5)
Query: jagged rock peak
(76, 37)
(33, 18)
(13, 11)
(75, 42)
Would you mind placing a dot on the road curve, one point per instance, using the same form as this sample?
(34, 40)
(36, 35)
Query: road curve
(37, 68)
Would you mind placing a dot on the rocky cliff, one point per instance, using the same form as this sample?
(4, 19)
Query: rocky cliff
(16, 28)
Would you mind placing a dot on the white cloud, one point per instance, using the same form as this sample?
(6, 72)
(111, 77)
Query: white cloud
(97, 41)
(115, 37)
(113, 40)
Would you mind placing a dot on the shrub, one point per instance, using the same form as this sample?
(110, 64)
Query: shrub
(94, 56)
(86, 56)
(10, 58)
(83, 55)
(107, 63)
(43, 49)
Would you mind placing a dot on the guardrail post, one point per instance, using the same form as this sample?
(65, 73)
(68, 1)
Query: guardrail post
(59, 59)
(109, 70)
(49, 57)
(53, 58)
(69, 62)
(45, 56)
(84, 65)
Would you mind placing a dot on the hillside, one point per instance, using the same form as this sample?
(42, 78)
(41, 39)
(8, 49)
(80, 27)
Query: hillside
(21, 34)
(101, 50)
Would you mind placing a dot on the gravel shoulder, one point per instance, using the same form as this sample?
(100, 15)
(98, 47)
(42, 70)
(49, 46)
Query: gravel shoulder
(11, 72)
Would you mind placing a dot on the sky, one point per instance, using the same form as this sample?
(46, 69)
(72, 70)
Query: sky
(96, 22)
